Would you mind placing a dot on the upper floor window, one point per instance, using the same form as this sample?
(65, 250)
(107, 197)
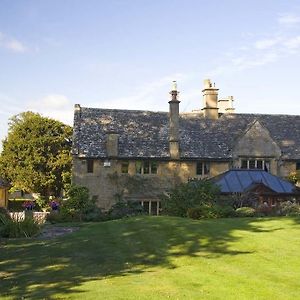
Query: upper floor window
(255, 164)
(146, 167)
(124, 167)
(90, 166)
(202, 168)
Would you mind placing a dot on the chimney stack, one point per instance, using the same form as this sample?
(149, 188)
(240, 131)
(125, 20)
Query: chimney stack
(112, 144)
(174, 123)
(210, 99)
(226, 105)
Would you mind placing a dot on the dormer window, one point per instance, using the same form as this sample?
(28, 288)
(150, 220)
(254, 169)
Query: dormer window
(260, 164)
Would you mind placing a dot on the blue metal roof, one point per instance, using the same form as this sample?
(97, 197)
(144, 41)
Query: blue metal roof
(240, 180)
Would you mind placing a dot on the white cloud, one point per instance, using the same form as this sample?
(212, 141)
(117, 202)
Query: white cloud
(266, 43)
(12, 44)
(146, 97)
(292, 43)
(289, 19)
(258, 52)
(55, 106)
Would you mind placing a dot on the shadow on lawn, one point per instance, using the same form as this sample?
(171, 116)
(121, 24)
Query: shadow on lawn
(39, 269)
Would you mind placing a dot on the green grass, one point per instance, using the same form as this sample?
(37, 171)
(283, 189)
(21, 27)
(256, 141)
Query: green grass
(158, 258)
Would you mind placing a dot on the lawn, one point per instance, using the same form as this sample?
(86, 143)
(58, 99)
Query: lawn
(158, 258)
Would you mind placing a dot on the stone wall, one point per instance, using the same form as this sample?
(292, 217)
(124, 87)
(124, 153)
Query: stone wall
(108, 184)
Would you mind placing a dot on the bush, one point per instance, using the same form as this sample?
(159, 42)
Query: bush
(289, 208)
(245, 212)
(226, 211)
(125, 209)
(210, 211)
(192, 194)
(10, 228)
(78, 207)
(62, 216)
(79, 201)
(3, 214)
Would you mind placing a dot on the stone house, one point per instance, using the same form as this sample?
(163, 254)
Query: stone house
(137, 155)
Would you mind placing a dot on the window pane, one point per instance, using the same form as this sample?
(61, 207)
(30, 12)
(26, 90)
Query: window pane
(90, 166)
(124, 167)
(251, 164)
(259, 164)
(146, 167)
(138, 167)
(244, 164)
(298, 165)
(199, 168)
(146, 206)
(154, 168)
(267, 166)
(206, 168)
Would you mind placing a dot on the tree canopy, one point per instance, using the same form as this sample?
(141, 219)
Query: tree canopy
(36, 154)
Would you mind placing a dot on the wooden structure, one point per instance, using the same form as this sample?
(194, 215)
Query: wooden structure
(4, 187)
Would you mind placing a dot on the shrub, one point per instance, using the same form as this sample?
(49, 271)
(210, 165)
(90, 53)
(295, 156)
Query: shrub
(189, 195)
(245, 212)
(3, 215)
(62, 216)
(18, 228)
(289, 208)
(125, 209)
(225, 211)
(210, 211)
(79, 201)
(78, 207)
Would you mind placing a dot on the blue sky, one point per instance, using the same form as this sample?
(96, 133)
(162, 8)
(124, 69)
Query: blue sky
(125, 54)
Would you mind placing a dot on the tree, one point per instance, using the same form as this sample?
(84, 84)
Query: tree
(36, 154)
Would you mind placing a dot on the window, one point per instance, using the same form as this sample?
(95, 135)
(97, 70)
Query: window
(146, 167)
(90, 166)
(298, 165)
(124, 167)
(202, 168)
(255, 164)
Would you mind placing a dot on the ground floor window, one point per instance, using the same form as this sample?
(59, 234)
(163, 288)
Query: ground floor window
(151, 207)
(260, 164)
(298, 165)
(124, 167)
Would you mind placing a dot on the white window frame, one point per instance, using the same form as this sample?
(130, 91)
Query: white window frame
(205, 165)
(265, 163)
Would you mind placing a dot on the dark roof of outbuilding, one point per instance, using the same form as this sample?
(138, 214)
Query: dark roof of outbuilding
(144, 134)
(240, 181)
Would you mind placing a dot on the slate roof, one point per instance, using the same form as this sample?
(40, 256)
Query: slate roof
(144, 134)
(240, 180)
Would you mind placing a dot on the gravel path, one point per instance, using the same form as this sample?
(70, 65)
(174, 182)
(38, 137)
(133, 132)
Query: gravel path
(49, 232)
